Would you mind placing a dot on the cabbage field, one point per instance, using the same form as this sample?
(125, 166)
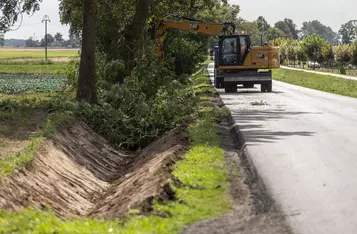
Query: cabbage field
(31, 83)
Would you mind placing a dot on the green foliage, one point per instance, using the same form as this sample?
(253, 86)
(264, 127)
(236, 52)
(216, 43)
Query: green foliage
(284, 28)
(316, 27)
(348, 32)
(320, 82)
(354, 53)
(263, 25)
(342, 69)
(15, 83)
(18, 160)
(292, 28)
(300, 55)
(186, 50)
(250, 28)
(132, 114)
(72, 72)
(314, 46)
(273, 33)
(343, 54)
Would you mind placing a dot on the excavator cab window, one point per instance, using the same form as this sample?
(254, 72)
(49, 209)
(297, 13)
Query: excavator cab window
(234, 49)
(229, 55)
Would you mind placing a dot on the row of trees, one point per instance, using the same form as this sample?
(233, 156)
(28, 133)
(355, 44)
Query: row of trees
(316, 48)
(287, 29)
(54, 41)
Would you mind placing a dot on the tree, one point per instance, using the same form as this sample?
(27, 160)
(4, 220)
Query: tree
(343, 54)
(11, 9)
(31, 42)
(2, 39)
(273, 33)
(292, 27)
(300, 55)
(250, 28)
(284, 28)
(354, 53)
(135, 35)
(59, 38)
(87, 90)
(263, 25)
(329, 55)
(74, 41)
(348, 32)
(316, 27)
(314, 46)
(291, 53)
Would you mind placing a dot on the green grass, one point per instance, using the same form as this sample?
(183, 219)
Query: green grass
(319, 82)
(203, 192)
(25, 157)
(33, 68)
(21, 159)
(36, 54)
(3, 143)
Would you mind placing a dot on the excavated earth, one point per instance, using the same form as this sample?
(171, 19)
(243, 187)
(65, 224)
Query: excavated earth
(77, 173)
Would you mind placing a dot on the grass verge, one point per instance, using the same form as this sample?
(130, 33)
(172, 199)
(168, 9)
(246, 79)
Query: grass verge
(203, 190)
(316, 81)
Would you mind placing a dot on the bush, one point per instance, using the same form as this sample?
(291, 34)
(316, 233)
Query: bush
(132, 114)
(342, 69)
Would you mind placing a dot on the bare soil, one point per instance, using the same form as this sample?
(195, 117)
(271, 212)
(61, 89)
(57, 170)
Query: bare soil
(17, 128)
(78, 173)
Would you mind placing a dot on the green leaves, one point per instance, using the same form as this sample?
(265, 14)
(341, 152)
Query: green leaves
(25, 83)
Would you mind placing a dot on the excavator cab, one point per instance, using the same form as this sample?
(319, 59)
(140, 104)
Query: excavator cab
(234, 49)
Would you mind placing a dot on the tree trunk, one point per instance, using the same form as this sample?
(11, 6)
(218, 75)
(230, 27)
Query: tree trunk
(86, 90)
(136, 32)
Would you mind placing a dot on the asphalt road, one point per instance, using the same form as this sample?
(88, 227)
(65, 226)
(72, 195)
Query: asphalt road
(303, 144)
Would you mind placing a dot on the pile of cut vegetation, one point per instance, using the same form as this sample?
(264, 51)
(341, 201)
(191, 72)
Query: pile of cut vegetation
(77, 173)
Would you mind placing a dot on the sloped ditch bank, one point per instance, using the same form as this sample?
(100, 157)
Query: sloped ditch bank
(89, 186)
(78, 174)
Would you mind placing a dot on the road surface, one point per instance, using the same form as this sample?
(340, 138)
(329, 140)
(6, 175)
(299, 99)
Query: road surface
(322, 73)
(303, 144)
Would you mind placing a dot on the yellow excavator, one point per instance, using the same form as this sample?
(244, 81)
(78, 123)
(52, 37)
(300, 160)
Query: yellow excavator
(237, 62)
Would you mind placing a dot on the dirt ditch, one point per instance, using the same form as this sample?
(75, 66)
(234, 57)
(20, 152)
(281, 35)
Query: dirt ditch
(79, 174)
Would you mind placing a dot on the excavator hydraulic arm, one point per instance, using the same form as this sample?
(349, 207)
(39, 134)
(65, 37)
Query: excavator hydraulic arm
(200, 27)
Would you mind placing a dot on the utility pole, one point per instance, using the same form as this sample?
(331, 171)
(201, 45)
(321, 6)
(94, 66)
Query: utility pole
(46, 19)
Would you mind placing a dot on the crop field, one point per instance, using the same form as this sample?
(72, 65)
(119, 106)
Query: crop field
(16, 83)
(33, 68)
(36, 53)
(25, 70)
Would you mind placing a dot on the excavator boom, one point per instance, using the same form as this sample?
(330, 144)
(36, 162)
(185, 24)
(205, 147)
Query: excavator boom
(200, 27)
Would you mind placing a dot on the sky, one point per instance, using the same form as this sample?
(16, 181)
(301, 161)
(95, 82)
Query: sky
(32, 25)
(329, 12)
(332, 13)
